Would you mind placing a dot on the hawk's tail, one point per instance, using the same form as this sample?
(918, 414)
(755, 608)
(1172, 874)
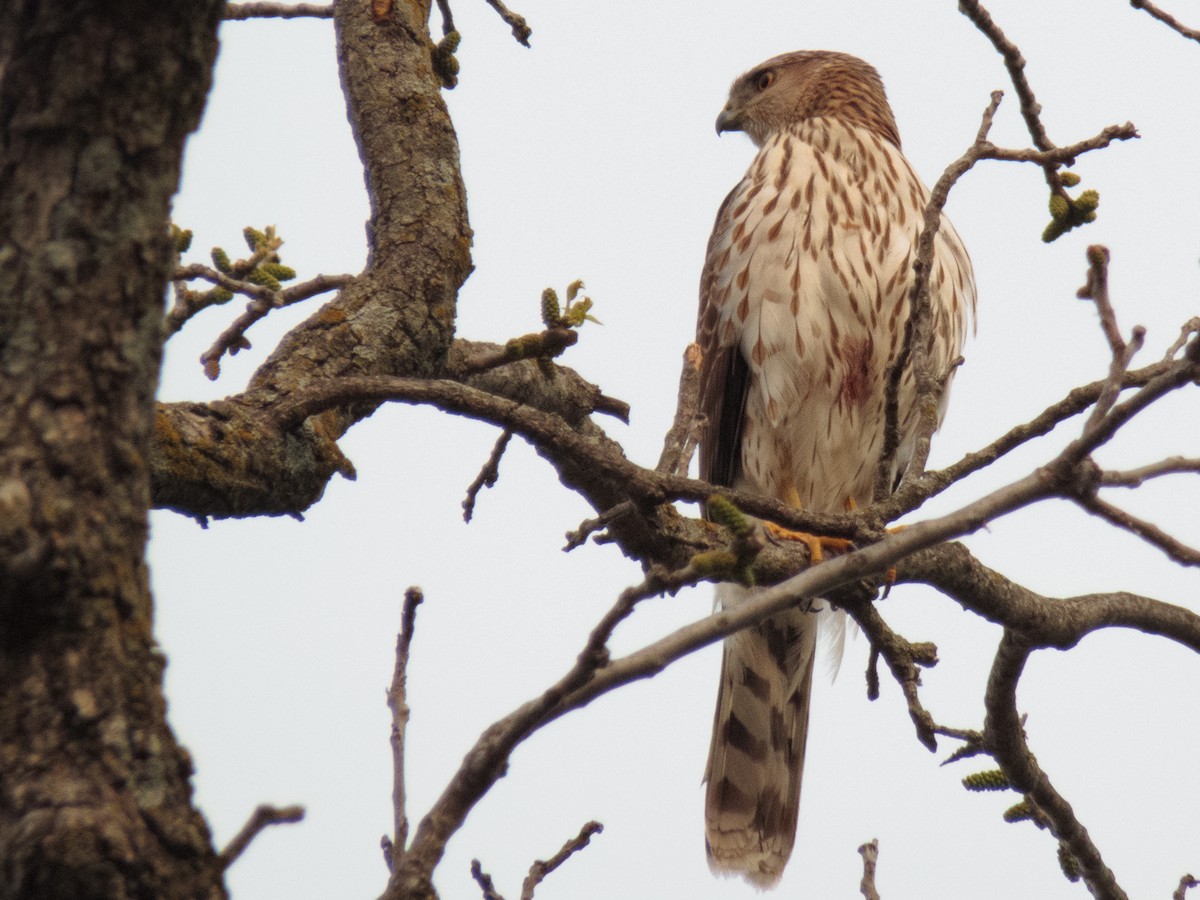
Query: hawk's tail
(757, 755)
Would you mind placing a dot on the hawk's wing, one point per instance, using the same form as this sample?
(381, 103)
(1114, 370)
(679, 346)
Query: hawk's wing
(724, 374)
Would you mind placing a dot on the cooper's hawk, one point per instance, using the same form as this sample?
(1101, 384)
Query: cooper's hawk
(803, 303)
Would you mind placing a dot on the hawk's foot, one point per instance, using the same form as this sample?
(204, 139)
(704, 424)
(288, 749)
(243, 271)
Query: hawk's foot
(818, 544)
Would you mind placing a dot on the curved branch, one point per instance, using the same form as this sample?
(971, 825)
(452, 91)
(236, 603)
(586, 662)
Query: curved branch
(1005, 740)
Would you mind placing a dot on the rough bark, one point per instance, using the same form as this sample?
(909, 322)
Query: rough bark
(96, 100)
(397, 318)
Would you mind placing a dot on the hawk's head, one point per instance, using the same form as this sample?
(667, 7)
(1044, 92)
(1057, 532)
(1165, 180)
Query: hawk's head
(801, 85)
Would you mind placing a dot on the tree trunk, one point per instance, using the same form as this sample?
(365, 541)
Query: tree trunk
(96, 100)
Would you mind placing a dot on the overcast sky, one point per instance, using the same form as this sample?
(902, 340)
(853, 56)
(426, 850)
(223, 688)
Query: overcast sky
(593, 155)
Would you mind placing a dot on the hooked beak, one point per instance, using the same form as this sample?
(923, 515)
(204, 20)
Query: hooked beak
(728, 120)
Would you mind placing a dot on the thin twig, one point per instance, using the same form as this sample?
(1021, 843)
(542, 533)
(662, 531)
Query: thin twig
(540, 345)
(487, 475)
(397, 698)
(233, 338)
(870, 856)
(1167, 19)
(680, 441)
(1062, 155)
(1096, 290)
(447, 16)
(484, 880)
(1031, 110)
(262, 817)
(540, 869)
(1189, 328)
(913, 353)
(1147, 531)
(240, 11)
(189, 303)
(1132, 478)
(520, 28)
(1187, 881)
(903, 659)
(588, 527)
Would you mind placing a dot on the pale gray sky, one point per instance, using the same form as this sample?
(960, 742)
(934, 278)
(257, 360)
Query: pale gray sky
(593, 155)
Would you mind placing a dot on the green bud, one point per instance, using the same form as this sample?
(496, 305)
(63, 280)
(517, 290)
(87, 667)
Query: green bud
(1021, 812)
(220, 295)
(264, 279)
(551, 313)
(279, 271)
(1059, 207)
(221, 260)
(991, 780)
(1070, 865)
(1068, 179)
(254, 238)
(1088, 200)
(722, 511)
(182, 238)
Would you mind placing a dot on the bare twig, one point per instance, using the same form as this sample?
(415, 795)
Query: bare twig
(680, 441)
(520, 28)
(233, 338)
(1062, 155)
(447, 16)
(1031, 110)
(484, 880)
(397, 698)
(903, 659)
(262, 817)
(914, 350)
(540, 869)
(588, 527)
(487, 475)
(540, 345)
(239, 11)
(1189, 328)
(912, 495)
(189, 303)
(870, 856)
(1132, 478)
(1167, 19)
(1147, 531)
(1096, 290)
(1187, 881)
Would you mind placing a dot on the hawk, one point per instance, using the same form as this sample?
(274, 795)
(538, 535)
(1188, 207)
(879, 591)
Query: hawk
(803, 304)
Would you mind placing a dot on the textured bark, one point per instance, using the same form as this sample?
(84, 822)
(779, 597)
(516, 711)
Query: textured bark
(397, 318)
(96, 100)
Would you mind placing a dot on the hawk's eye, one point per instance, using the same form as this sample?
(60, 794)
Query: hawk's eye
(763, 80)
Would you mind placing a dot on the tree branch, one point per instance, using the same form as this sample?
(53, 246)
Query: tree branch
(1166, 18)
(1005, 739)
(870, 856)
(242, 11)
(263, 817)
(397, 699)
(539, 870)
